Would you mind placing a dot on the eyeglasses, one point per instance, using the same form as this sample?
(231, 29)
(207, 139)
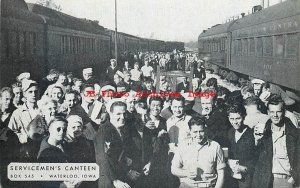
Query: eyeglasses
(61, 129)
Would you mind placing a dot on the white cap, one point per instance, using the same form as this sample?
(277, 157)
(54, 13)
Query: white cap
(22, 76)
(87, 70)
(257, 81)
(74, 119)
(107, 88)
(26, 84)
(188, 96)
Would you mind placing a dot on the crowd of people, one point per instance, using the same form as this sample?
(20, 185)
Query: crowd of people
(245, 138)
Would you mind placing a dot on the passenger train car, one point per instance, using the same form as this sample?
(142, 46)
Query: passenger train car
(35, 39)
(264, 44)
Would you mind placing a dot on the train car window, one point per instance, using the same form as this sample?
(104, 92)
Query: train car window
(235, 47)
(251, 47)
(278, 46)
(259, 47)
(239, 47)
(13, 43)
(32, 43)
(268, 46)
(69, 45)
(93, 45)
(87, 45)
(245, 47)
(22, 43)
(73, 45)
(4, 43)
(223, 44)
(208, 46)
(291, 46)
(83, 45)
(100, 43)
(65, 44)
(62, 44)
(215, 46)
(76, 45)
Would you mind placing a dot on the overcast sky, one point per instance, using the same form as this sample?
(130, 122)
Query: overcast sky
(174, 20)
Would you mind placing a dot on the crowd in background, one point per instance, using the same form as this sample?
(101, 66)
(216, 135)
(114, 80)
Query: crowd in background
(242, 137)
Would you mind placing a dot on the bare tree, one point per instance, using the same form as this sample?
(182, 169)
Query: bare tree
(49, 4)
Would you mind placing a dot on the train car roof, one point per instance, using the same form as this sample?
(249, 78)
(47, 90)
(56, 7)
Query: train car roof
(56, 18)
(128, 35)
(17, 9)
(275, 12)
(217, 29)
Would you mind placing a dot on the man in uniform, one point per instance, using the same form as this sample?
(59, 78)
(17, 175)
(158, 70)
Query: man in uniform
(111, 154)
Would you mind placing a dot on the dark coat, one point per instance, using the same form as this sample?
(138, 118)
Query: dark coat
(200, 74)
(110, 73)
(161, 126)
(181, 87)
(243, 150)
(29, 151)
(111, 151)
(218, 126)
(80, 150)
(43, 85)
(141, 148)
(263, 170)
(50, 154)
(9, 148)
(39, 121)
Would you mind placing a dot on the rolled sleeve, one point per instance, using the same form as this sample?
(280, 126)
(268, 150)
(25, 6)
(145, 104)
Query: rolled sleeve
(220, 159)
(177, 161)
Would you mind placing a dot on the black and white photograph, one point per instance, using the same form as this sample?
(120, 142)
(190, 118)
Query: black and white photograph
(149, 94)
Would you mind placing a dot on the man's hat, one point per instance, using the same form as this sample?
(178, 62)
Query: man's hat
(26, 84)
